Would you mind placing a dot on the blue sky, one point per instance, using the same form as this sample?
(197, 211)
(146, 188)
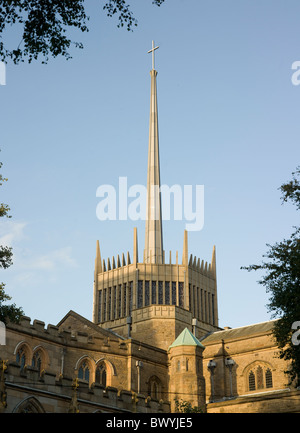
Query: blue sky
(228, 120)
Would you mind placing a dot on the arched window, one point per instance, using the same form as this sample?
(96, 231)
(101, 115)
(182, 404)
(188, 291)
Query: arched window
(251, 379)
(29, 405)
(21, 356)
(101, 374)
(154, 388)
(178, 366)
(187, 365)
(84, 371)
(260, 377)
(269, 380)
(37, 360)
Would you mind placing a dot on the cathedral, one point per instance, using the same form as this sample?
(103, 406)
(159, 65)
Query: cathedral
(154, 342)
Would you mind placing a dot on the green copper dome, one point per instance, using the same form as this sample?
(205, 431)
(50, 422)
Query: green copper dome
(186, 338)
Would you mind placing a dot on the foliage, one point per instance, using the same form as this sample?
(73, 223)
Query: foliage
(45, 23)
(282, 282)
(7, 312)
(5, 252)
(184, 406)
(291, 190)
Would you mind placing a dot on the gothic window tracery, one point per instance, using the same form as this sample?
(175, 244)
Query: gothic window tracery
(251, 381)
(101, 374)
(22, 356)
(259, 377)
(84, 371)
(29, 405)
(37, 360)
(154, 388)
(269, 379)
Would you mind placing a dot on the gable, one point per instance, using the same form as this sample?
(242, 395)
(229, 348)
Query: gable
(74, 322)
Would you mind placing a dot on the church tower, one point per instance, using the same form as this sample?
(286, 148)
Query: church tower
(150, 300)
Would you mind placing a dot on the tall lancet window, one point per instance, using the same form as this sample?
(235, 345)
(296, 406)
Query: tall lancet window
(181, 300)
(100, 306)
(173, 292)
(140, 294)
(109, 304)
(21, 357)
(269, 380)
(104, 305)
(213, 308)
(124, 299)
(84, 372)
(130, 296)
(160, 292)
(119, 300)
(147, 297)
(37, 360)
(115, 302)
(153, 294)
(101, 374)
(251, 379)
(167, 292)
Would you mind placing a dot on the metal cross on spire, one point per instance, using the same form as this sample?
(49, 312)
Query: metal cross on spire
(152, 51)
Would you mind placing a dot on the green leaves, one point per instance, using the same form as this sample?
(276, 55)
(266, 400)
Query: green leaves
(282, 282)
(5, 257)
(291, 190)
(184, 406)
(7, 312)
(45, 24)
(113, 7)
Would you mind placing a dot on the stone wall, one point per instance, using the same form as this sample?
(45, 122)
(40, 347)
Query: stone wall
(26, 391)
(284, 401)
(131, 367)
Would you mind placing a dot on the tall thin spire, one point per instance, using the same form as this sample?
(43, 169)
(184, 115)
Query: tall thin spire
(153, 229)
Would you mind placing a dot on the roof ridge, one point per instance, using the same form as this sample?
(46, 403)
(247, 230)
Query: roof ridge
(245, 326)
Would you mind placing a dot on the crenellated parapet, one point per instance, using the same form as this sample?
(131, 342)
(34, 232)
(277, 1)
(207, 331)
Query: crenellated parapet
(23, 387)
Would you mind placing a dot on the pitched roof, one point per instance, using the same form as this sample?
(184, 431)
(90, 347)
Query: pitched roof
(237, 333)
(89, 324)
(186, 338)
